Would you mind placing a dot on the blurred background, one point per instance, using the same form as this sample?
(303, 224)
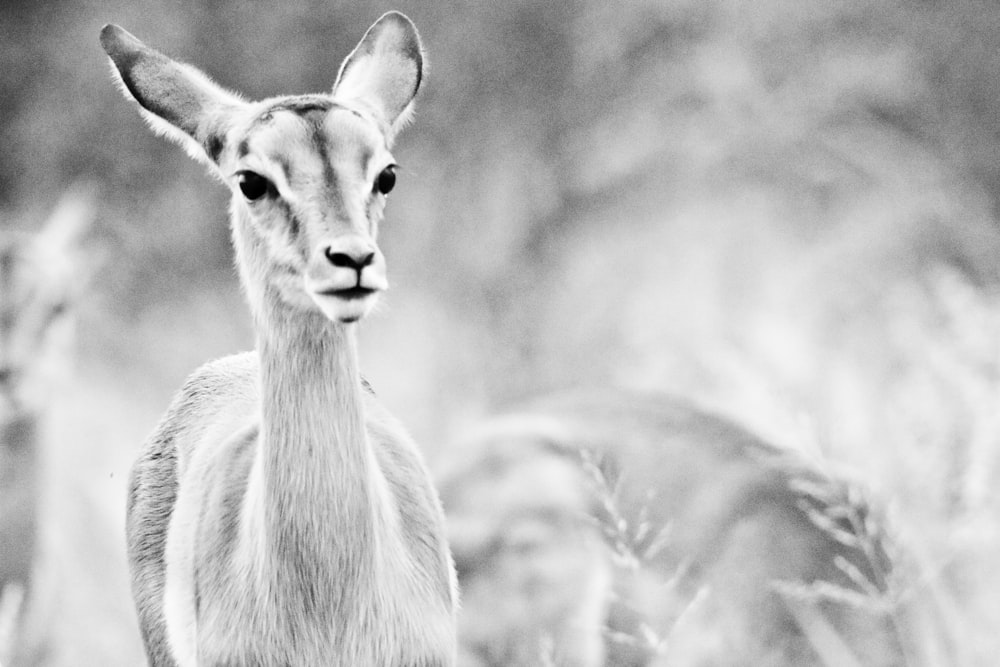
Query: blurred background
(786, 209)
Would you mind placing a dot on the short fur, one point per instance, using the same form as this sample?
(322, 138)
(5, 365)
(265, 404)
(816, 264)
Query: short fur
(278, 515)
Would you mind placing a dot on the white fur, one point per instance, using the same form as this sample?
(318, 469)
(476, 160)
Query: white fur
(304, 529)
(160, 127)
(368, 71)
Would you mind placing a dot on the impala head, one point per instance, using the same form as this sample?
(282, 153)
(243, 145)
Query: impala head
(309, 174)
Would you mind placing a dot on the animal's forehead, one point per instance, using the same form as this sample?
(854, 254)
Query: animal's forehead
(311, 124)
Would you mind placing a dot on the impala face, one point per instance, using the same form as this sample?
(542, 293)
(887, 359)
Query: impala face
(309, 173)
(310, 178)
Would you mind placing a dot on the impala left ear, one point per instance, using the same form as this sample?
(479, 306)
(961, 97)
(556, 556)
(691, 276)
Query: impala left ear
(177, 100)
(384, 70)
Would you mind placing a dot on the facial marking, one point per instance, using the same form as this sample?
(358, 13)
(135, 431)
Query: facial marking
(304, 104)
(323, 159)
(357, 150)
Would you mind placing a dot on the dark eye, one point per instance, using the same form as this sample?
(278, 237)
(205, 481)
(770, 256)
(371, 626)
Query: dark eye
(386, 180)
(253, 185)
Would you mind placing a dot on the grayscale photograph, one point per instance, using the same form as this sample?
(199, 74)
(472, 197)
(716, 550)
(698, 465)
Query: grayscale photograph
(661, 333)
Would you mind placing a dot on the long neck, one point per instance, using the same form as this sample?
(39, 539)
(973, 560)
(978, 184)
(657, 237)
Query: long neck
(318, 474)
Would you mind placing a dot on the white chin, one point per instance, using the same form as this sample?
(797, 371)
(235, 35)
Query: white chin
(339, 309)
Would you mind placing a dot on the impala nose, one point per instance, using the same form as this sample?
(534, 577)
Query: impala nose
(347, 262)
(350, 252)
(345, 259)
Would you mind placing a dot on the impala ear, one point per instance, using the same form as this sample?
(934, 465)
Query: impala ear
(177, 100)
(384, 70)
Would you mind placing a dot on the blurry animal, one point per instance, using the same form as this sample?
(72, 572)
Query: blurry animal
(633, 529)
(43, 275)
(279, 515)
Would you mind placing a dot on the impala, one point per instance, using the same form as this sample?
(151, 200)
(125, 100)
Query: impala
(279, 515)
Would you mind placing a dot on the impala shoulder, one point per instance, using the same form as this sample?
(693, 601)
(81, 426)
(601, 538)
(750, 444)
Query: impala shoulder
(230, 380)
(397, 452)
(233, 377)
(414, 497)
(218, 389)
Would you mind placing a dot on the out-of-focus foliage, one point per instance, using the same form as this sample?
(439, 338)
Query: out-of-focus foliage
(785, 208)
(689, 541)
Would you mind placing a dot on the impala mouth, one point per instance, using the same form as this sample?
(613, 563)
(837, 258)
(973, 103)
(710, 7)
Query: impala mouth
(344, 304)
(350, 293)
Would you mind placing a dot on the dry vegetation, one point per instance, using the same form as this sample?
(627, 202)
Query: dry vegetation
(784, 209)
(677, 538)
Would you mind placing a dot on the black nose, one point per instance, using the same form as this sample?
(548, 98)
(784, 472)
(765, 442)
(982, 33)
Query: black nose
(346, 260)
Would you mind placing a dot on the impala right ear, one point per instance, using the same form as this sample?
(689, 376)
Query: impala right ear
(177, 100)
(385, 69)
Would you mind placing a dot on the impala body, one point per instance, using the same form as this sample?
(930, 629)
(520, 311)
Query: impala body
(279, 515)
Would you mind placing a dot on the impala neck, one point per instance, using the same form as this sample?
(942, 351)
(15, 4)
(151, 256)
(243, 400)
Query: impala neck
(319, 506)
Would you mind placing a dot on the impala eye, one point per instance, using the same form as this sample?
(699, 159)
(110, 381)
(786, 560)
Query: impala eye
(386, 180)
(253, 185)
